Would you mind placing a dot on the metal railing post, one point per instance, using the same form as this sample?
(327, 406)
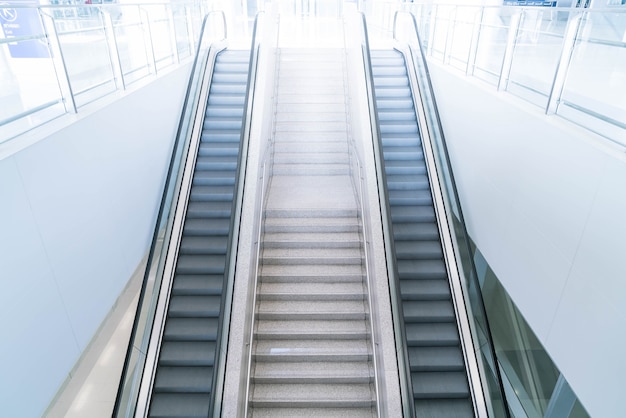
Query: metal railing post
(147, 38)
(449, 36)
(507, 60)
(432, 29)
(58, 61)
(114, 54)
(173, 40)
(190, 32)
(473, 49)
(569, 42)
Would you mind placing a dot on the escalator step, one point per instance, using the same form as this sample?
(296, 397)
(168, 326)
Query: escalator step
(436, 359)
(445, 408)
(412, 214)
(197, 222)
(435, 289)
(420, 250)
(432, 335)
(409, 231)
(197, 284)
(179, 405)
(194, 306)
(410, 197)
(218, 148)
(422, 269)
(203, 245)
(187, 354)
(213, 178)
(428, 311)
(220, 136)
(183, 379)
(228, 88)
(443, 385)
(200, 264)
(207, 210)
(224, 111)
(405, 167)
(191, 329)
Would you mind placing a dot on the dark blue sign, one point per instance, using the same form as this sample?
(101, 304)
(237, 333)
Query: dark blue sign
(18, 22)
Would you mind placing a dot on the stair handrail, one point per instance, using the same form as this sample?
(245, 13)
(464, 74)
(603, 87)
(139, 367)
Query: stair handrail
(457, 240)
(134, 361)
(261, 196)
(392, 274)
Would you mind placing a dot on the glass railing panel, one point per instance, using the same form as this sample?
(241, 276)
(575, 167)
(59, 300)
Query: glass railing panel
(27, 76)
(56, 58)
(132, 39)
(181, 32)
(162, 35)
(441, 24)
(86, 56)
(596, 79)
(537, 49)
(492, 41)
(461, 36)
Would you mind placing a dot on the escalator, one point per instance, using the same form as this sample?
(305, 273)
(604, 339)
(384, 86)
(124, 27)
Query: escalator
(438, 375)
(184, 379)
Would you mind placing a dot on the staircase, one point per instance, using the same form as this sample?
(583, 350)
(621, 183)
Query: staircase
(438, 374)
(184, 379)
(312, 349)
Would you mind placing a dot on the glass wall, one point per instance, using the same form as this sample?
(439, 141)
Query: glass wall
(533, 384)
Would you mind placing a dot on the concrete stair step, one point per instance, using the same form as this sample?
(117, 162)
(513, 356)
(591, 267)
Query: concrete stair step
(269, 275)
(295, 325)
(335, 216)
(311, 261)
(334, 315)
(308, 147)
(311, 349)
(312, 372)
(312, 287)
(311, 240)
(345, 395)
(311, 88)
(320, 272)
(347, 253)
(312, 126)
(313, 412)
(315, 306)
(310, 335)
(310, 136)
(311, 158)
(331, 99)
(311, 297)
(307, 108)
(317, 169)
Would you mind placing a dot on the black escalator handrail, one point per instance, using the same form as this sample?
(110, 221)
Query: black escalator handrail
(190, 104)
(404, 372)
(235, 222)
(435, 126)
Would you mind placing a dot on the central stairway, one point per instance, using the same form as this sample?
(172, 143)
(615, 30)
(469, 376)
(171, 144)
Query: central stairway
(312, 348)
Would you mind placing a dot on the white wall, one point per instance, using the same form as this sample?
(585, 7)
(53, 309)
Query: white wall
(76, 217)
(545, 203)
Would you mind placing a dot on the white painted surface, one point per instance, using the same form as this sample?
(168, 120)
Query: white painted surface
(77, 215)
(544, 202)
